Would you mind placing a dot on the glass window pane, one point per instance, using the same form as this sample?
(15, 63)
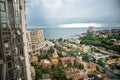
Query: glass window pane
(16, 6)
(2, 0)
(2, 6)
(17, 20)
(3, 17)
(16, 13)
(3, 14)
(3, 20)
(17, 26)
(15, 0)
(4, 25)
(6, 45)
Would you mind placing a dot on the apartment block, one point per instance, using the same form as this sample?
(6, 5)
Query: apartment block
(91, 29)
(13, 55)
(35, 42)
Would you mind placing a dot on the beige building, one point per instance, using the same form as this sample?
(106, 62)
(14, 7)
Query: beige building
(35, 41)
(74, 74)
(85, 48)
(32, 69)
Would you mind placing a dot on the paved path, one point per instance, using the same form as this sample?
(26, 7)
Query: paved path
(110, 73)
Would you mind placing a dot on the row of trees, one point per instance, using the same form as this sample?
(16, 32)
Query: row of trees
(91, 39)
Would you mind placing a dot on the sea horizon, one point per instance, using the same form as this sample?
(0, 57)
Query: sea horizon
(66, 33)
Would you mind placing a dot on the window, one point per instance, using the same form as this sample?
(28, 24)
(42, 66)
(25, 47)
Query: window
(4, 25)
(8, 58)
(16, 13)
(21, 52)
(15, 1)
(2, 6)
(17, 20)
(16, 25)
(2, 0)
(6, 45)
(16, 6)
(9, 64)
(3, 14)
(3, 20)
(3, 17)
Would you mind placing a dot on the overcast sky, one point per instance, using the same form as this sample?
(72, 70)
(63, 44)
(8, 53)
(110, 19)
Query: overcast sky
(58, 12)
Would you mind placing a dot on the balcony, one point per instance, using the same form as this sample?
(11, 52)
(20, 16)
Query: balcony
(6, 35)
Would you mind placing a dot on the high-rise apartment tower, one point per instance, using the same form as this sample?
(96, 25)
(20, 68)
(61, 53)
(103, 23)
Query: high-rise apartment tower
(14, 63)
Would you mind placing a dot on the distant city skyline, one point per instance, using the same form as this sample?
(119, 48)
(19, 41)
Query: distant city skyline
(73, 13)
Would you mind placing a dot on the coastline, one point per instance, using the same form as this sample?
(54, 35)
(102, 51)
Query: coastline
(66, 33)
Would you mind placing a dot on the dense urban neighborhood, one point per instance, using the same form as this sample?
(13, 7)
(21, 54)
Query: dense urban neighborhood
(59, 40)
(92, 56)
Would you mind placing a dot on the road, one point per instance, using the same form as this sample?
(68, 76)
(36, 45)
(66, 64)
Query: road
(109, 73)
(108, 53)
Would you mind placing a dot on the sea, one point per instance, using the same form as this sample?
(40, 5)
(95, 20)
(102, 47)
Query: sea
(65, 33)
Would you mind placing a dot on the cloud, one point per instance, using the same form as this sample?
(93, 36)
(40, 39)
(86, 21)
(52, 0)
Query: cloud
(55, 12)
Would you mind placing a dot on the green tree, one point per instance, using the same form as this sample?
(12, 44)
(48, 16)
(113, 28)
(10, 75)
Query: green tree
(86, 58)
(81, 66)
(60, 39)
(38, 74)
(101, 62)
(93, 59)
(34, 64)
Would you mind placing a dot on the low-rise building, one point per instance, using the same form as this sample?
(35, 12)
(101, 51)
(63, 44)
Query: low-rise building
(32, 69)
(117, 42)
(85, 48)
(44, 63)
(54, 61)
(46, 77)
(34, 59)
(78, 59)
(48, 45)
(98, 55)
(74, 74)
(74, 40)
(55, 54)
(92, 66)
(66, 60)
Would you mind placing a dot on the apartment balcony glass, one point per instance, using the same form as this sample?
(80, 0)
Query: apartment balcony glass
(2, 6)
(3, 17)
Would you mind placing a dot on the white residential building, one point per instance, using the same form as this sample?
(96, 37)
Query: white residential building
(35, 41)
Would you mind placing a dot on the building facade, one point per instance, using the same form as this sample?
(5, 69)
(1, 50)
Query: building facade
(13, 53)
(91, 29)
(35, 42)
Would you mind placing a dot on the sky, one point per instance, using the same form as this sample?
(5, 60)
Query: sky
(73, 13)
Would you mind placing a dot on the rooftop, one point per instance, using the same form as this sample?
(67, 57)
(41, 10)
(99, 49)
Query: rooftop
(33, 59)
